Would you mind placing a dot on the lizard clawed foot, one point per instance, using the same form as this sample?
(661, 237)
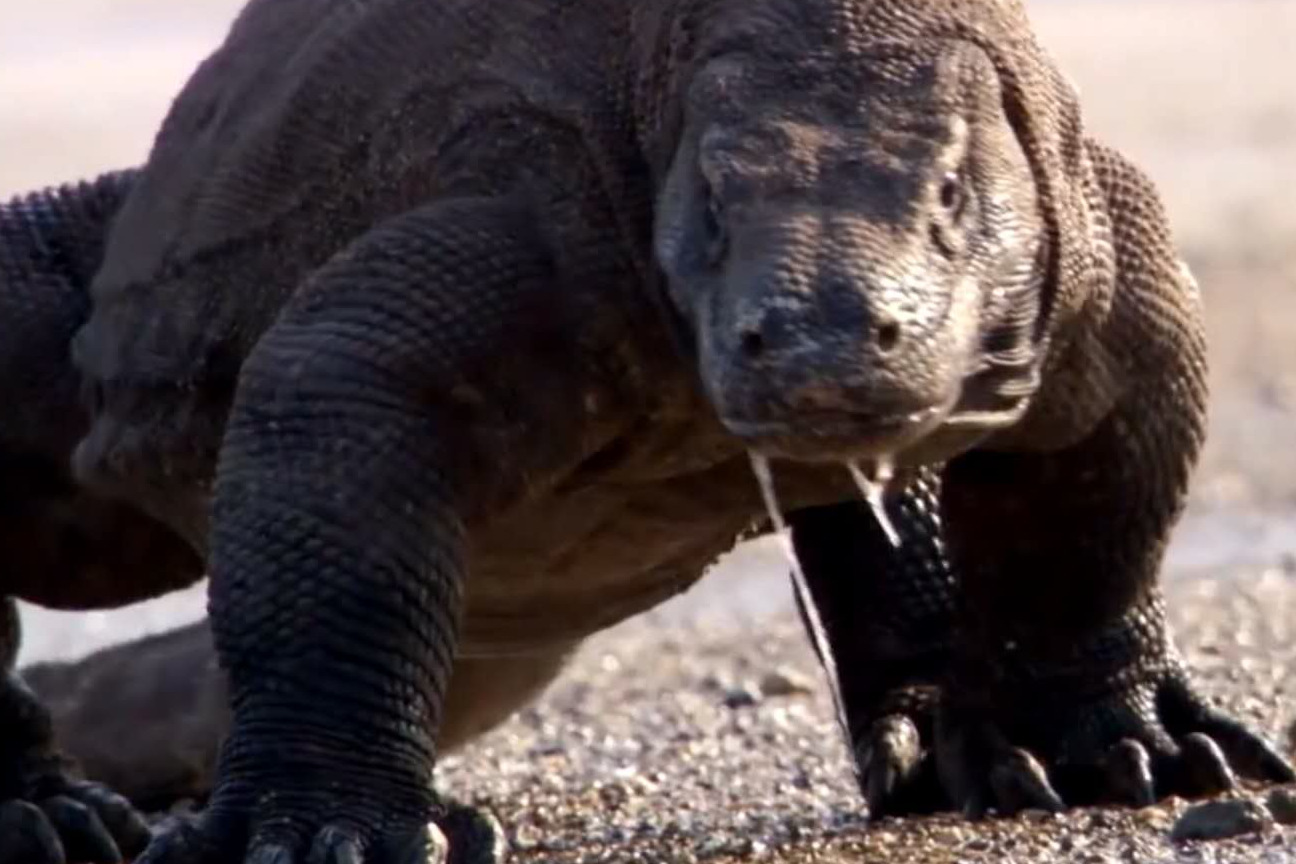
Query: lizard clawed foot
(58, 820)
(48, 816)
(1145, 740)
(200, 840)
(461, 835)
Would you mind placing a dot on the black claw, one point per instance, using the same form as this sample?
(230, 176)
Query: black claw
(28, 836)
(1204, 769)
(1129, 774)
(880, 780)
(1248, 752)
(335, 846)
(975, 807)
(962, 766)
(84, 836)
(1020, 782)
(890, 757)
(425, 846)
(474, 835)
(181, 841)
(269, 853)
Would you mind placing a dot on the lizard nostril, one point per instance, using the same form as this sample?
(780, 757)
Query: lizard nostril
(752, 343)
(888, 336)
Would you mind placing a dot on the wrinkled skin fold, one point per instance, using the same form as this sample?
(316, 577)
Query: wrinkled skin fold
(436, 343)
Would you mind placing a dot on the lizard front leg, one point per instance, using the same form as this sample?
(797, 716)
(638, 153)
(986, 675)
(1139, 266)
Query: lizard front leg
(888, 612)
(372, 423)
(1066, 684)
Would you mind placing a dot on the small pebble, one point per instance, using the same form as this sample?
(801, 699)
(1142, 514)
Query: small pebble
(785, 682)
(1215, 820)
(741, 697)
(1153, 817)
(1100, 858)
(1282, 804)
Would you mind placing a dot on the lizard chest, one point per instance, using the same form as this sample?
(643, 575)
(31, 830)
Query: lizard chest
(603, 548)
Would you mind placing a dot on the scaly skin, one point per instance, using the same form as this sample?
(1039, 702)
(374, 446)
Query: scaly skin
(62, 546)
(438, 341)
(146, 718)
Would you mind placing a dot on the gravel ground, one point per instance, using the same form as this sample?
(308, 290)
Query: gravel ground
(660, 744)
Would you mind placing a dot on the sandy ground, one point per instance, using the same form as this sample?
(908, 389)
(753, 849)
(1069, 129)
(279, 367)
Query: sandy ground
(633, 755)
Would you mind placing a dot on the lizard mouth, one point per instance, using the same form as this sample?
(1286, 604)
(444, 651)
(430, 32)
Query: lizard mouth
(836, 437)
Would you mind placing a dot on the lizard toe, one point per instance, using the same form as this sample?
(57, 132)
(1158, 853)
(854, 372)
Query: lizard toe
(331, 846)
(462, 835)
(84, 836)
(896, 773)
(425, 845)
(1203, 767)
(1127, 774)
(58, 819)
(122, 822)
(1185, 712)
(475, 835)
(182, 839)
(1019, 782)
(27, 837)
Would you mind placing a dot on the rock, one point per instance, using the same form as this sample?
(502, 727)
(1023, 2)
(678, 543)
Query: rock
(743, 696)
(1216, 820)
(1282, 804)
(785, 682)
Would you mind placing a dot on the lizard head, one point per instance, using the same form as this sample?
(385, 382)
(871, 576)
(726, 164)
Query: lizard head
(851, 235)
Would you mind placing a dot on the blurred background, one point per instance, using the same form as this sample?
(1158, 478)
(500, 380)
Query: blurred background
(1201, 92)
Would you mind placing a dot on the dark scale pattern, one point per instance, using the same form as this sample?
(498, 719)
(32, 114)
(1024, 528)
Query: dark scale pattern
(58, 545)
(468, 313)
(385, 611)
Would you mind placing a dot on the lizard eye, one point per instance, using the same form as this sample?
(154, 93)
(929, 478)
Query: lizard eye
(951, 192)
(947, 226)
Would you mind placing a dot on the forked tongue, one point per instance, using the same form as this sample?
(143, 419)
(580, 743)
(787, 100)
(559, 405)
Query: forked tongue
(872, 479)
(760, 467)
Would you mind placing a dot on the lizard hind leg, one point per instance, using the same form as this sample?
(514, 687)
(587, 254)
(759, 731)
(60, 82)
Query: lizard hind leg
(51, 243)
(47, 815)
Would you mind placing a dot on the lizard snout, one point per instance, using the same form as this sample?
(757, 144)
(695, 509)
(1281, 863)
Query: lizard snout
(804, 389)
(775, 330)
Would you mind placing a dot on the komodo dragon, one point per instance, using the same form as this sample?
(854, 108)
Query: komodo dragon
(448, 328)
